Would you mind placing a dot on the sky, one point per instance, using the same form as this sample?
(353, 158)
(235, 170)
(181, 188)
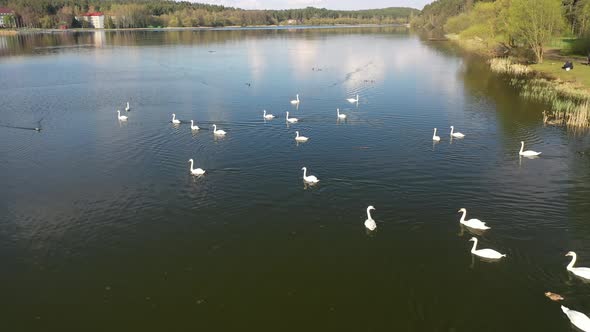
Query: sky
(330, 4)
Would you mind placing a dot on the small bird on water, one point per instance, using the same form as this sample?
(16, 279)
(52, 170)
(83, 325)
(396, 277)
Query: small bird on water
(553, 296)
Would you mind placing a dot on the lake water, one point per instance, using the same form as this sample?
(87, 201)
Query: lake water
(102, 228)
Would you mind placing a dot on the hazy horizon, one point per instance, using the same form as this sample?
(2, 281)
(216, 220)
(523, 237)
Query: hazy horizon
(329, 4)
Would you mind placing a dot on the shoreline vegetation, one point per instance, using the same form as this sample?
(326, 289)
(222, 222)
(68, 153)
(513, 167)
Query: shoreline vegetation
(527, 41)
(11, 32)
(121, 14)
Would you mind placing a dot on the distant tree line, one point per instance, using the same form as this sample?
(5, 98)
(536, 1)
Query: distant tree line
(513, 23)
(168, 13)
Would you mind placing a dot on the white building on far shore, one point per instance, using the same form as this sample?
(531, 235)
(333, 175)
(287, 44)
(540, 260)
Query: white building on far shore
(95, 19)
(5, 17)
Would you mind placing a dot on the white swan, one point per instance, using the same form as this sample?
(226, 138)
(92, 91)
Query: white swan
(352, 100)
(268, 116)
(486, 253)
(527, 153)
(295, 101)
(434, 137)
(127, 108)
(370, 223)
(291, 120)
(193, 127)
(577, 318)
(218, 132)
(309, 179)
(457, 134)
(340, 116)
(121, 117)
(197, 171)
(473, 223)
(174, 119)
(582, 272)
(300, 138)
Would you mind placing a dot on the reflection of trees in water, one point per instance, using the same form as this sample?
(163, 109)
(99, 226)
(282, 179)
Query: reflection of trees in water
(511, 109)
(38, 42)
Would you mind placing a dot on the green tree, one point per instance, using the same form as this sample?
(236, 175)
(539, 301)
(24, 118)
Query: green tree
(108, 23)
(535, 22)
(582, 17)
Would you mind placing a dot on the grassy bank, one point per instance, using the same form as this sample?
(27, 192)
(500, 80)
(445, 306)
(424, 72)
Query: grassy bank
(569, 100)
(7, 32)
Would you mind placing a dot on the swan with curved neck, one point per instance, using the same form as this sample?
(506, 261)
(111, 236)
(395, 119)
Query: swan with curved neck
(295, 101)
(340, 115)
(352, 100)
(195, 171)
(193, 126)
(457, 134)
(121, 117)
(267, 116)
(485, 253)
(127, 108)
(527, 153)
(174, 119)
(370, 223)
(577, 318)
(218, 132)
(309, 179)
(582, 272)
(473, 223)
(291, 120)
(300, 138)
(434, 137)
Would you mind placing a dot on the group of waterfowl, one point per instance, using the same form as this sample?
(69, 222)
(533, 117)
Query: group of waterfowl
(527, 153)
(578, 319)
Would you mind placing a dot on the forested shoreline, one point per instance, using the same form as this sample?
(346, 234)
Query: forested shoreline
(518, 34)
(512, 24)
(122, 14)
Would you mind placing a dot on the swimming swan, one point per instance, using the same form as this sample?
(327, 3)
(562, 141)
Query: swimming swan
(340, 116)
(486, 253)
(127, 108)
(268, 116)
(295, 101)
(352, 100)
(434, 137)
(457, 134)
(121, 117)
(370, 223)
(291, 120)
(198, 171)
(527, 153)
(300, 138)
(174, 119)
(309, 179)
(193, 127)
(577, 318)
(218, 132)
(473, 223)
(582, 272)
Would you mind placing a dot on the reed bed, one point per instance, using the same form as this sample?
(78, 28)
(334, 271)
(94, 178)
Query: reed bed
(507, 66)
(570, 105)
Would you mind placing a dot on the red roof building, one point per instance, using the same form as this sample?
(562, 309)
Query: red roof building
(94, 14)
(6, 22)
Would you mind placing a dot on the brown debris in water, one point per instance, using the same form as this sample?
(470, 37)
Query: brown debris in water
(553, 296)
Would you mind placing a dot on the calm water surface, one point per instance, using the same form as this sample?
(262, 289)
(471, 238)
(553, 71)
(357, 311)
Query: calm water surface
(102, 228)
